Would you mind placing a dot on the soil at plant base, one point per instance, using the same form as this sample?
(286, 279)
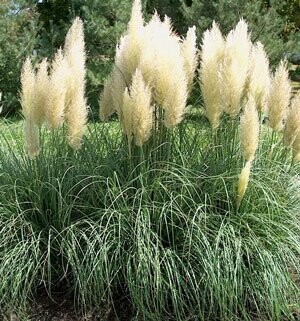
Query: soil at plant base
(61, 309)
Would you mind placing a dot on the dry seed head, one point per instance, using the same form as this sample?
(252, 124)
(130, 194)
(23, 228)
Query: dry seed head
(142, 111)
(76, 107)
(243, 183)
(259, 77)
(132, 43)
(27, 95)
(74, 53)
(117, 89)
(106, 100)
(292, 126)
(235, 67)
(128, 54)
(175, 102)
(162, 66)
(41, 94)
(136, 20)
(32, 140)
(76, 120)
(211, 56)
(189, 53)
(75, 41)
(126, 115)
(279, 98)
(249, 130)
(129, 48)
(57, 91)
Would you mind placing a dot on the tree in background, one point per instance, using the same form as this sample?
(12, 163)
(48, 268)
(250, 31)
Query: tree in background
(271, 22)
(18, 31)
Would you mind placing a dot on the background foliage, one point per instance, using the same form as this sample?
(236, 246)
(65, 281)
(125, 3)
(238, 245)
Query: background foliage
(37, 27)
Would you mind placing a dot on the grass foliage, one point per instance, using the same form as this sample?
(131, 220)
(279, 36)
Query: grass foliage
(160, 227)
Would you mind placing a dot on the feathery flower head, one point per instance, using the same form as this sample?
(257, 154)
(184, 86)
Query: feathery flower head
(142, 113)
(189, 53)
(280, 93)
(41, 93)
(136, 21)
(162, 66)
(212, 54)
(76, 120)
(74, 53)
(243, 183)
(76, 107)
(32, 138)
(259, 77)
(57, 91)
(249, 130)
(28, 103)
(106, 100)
(27, 96)
(126, 116)
(292, 126)
(235, 67)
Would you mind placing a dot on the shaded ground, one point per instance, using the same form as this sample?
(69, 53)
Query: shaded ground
(62, 310)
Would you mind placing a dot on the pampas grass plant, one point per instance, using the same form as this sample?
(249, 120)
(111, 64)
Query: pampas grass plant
(187, 221)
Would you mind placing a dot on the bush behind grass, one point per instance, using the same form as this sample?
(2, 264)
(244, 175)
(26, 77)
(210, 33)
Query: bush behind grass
(163, 231)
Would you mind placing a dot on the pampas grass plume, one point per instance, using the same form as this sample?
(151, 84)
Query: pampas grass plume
(211, 56)
(77, 119)
(130, 46)
(142, 113)
(41, 93)
(162, 66)
(27, 97)
(126, 119)
(106, 100)
(249, 130)
(76, 110)
(279, 99)
(235, 67)
(243, 183)
(57, 91)
(259, 76)
(190, 56)
(32, 138)
(292, 126)
(136, 19)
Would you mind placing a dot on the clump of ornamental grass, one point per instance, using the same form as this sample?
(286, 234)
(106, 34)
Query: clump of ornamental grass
(46, 207)
(96, 232)
(58, 97)
(207, 229)
(238, 92)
